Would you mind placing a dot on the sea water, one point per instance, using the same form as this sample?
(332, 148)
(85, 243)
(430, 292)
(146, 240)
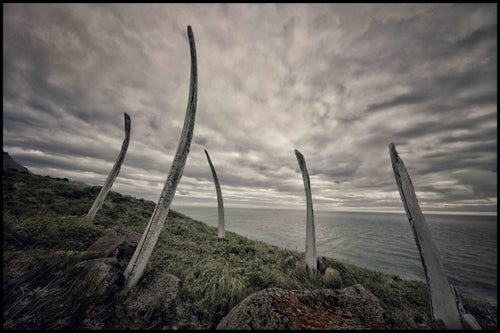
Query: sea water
(379, 241)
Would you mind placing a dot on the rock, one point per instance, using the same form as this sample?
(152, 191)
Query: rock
(277, 309)
(470, 323)
(154, 302)
(117, 242)
(332, 276)
(321, 266)
(114, 248)
(96, 284)
(357, 299)
(157, 291)
(102, 275)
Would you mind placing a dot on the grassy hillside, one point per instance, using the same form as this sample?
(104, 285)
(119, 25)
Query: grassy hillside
(42, 230)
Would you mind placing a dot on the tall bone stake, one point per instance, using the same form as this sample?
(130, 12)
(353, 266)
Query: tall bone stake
(442, 300)
(113, 174)
(135, 269)
(220, 203)
(311, 259)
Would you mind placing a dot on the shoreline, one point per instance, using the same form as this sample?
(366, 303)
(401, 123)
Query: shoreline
(409, 270)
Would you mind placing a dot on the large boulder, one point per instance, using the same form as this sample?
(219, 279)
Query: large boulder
(276, 309)
(116, 242)
(332, 276)
(156, 297)
(154, 302)
(96, 283)
(101, 277)
(109, 254)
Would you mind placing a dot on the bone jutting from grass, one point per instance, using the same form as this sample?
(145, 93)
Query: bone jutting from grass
(220, 202)
(311, 258)
(442, 300)
(135, 269)
(113, 174)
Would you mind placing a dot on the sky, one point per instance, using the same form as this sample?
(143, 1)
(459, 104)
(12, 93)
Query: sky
(338, 82)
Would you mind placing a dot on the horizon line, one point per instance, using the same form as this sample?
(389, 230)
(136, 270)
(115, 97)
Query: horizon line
(347, 210)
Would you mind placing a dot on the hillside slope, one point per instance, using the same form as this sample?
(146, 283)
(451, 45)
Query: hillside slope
(10, 164)
(43, 233)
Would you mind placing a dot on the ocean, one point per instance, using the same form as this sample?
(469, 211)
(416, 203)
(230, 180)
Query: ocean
(378, 241)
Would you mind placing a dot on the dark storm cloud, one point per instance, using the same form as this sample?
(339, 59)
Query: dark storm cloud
(338, 172)
(482, 83)
(478, 156)
(447, 125)
(336, 81)
(486, 34)
(483, 135)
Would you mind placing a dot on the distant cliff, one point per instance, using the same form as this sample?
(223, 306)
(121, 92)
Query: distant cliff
(10, 164)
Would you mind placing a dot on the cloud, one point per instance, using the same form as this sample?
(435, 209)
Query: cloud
(336, 81)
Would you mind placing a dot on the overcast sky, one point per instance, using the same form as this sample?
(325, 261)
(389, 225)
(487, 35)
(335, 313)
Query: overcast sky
(338, 82)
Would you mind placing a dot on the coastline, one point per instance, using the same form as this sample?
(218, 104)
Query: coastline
(43, 234)
(376, 241)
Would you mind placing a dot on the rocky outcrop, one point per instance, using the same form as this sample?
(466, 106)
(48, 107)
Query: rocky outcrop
(157, 292)
(156, 299)
(101, 274)
(332, 276)
(276, 309)
(110, 254)
(10, 164)
(98, 278)
(117, 242)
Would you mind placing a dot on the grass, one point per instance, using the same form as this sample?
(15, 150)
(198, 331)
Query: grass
(44, 235)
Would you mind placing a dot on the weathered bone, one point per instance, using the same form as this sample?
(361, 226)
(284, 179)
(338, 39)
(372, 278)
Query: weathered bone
(311, 259)
(113, 174)
(137, 264)
(442, 299)
(220, 203)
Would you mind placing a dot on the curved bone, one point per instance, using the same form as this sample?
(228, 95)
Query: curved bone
(137, 264)
(220, 203)
(311, 259)
(442, 299)
(113, 174)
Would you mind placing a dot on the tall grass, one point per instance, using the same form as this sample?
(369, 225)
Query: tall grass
(217, 275)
